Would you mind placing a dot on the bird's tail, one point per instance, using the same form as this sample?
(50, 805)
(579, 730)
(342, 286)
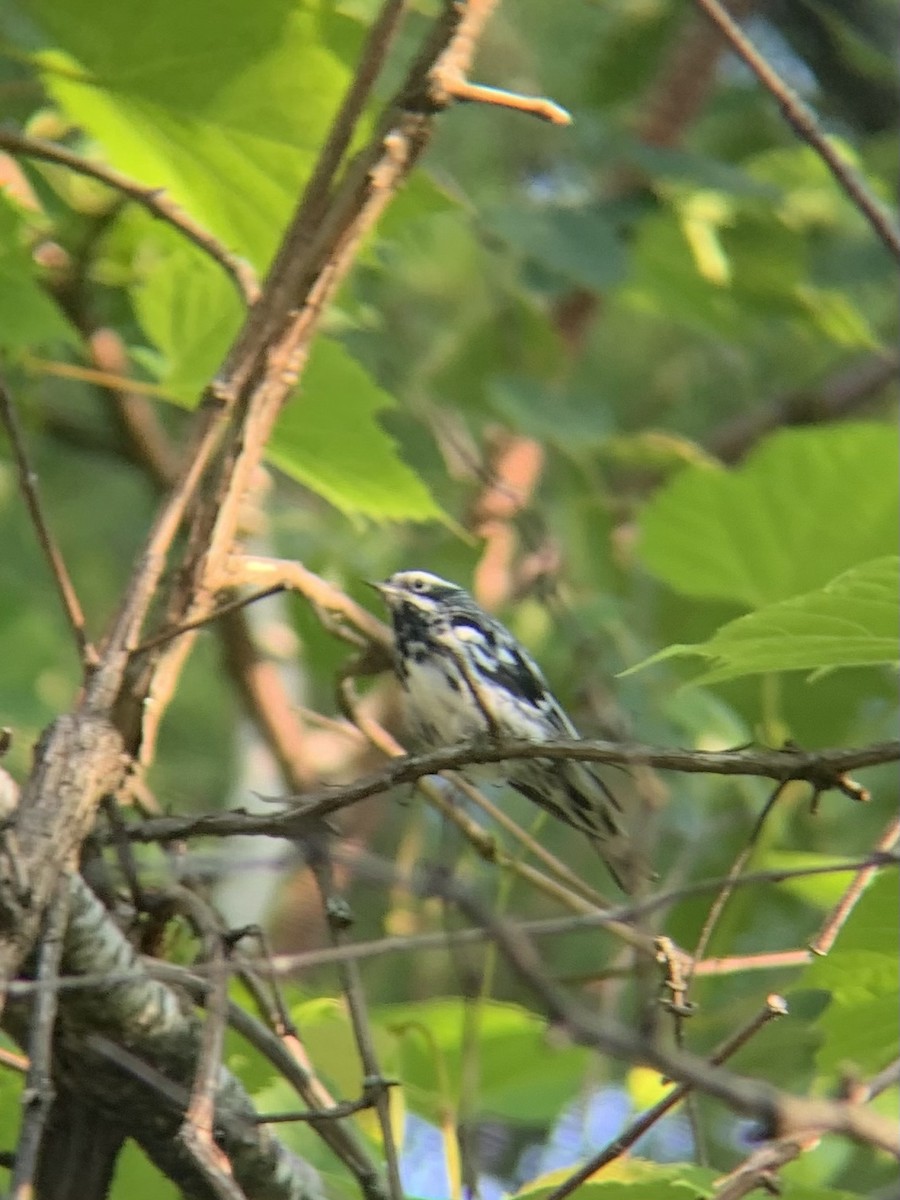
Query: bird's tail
(575, 793)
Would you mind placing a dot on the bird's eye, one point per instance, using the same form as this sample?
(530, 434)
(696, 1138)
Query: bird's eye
(418, 585)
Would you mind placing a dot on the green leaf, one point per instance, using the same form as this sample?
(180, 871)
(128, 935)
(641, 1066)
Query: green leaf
(851, 622)
(860, 1023)
(226, 115)
(27, 314)
(523, 1076)
(328, 438)
(807, 505)
(579, 244)
(632, 1179)
(136, 1178)
(187, 307)
(859, 1026)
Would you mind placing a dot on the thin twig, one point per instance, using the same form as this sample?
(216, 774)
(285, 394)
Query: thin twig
(325, 597)
(448, 77)
(837, 397)
(482, 842)
(200, 1116)
(759, 1170)
(775, 1007)
(347, 1108)
(836, 919)
(154, 200)
(886, 1078)
(379, 40)
(718, 905)
(37, 1097)
(28, 482)
(294, 1067)
(224, 610)
(15, 1062)
(375, 1086)
(781, 1114)
(530, 844)
(285, 965)
(802, 120)
(464, 92)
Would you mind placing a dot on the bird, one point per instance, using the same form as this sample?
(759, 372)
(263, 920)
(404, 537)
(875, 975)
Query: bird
(465, 678)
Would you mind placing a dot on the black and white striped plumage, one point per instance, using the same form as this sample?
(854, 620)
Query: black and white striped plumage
(466, 677)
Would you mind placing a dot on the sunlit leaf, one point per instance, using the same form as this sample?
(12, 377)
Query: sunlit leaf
(328, 437)
(807, 505)
(851, 622)
(522, 1075)
(219, 113)
(632, 1179)
(859, 1026)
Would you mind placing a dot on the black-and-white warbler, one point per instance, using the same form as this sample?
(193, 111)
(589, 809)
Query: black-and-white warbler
(465, 677)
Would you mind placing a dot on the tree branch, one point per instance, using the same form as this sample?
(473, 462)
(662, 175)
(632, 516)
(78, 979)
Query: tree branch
(775, 1007)
(163, 1033)
(836, 398)
(801, 119)
(28, 483)
(154, 200)
(822, 769)
(781, 1114)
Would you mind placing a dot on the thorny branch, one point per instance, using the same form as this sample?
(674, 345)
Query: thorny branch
(775, 1007)
(781, 1114)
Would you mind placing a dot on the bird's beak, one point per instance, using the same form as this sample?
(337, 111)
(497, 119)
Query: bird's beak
(381, 588)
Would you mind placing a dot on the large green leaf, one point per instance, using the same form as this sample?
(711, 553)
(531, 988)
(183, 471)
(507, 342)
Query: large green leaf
(851, 622)
(328, 438)
(522, 1075)
(187, 308)
(225, 113)
(859, 1026)
(806, 506)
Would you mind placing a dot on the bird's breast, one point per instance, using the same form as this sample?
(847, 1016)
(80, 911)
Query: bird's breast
(440, 707)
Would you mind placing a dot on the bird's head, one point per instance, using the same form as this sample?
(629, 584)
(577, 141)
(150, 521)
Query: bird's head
(419, 590)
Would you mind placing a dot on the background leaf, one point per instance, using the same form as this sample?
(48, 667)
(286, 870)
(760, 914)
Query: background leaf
(851, 622)
(807, 505)
(328, 438)
(217, 113)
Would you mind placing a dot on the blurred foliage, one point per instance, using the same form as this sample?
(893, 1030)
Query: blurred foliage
(612, 304)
